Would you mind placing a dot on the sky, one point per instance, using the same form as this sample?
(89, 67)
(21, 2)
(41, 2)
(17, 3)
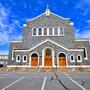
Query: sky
(15, 13)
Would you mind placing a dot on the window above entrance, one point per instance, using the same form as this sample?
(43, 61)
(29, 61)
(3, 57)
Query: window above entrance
(50, 31)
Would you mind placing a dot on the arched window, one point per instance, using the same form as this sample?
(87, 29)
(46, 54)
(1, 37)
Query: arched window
(34, 55)
(61, 55)
(72, 58)
(85, 53)
(45, 31)
(62, 59)
(55, 31)
(24, 58)
(79, 58)
(61, 31)
(40, 31)
(50, 31)
(34, 59)
(18, 57)
(48, 52)
(34, 31)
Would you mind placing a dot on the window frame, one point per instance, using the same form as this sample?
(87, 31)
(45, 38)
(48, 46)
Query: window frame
(60, 31)
(80, 58)
(23, 58)
(46, 32)
(85, 58)
(17, 58)
(57, 31)
(41, 31)
(51, 31)
(33, 31)
(73, 58)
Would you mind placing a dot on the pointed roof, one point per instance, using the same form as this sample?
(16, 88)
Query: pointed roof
(48, 13)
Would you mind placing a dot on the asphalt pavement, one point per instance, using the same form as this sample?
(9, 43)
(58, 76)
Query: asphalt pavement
(45, 81)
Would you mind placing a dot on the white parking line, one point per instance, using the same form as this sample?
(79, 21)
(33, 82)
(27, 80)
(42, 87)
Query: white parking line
(43, 83)
(74, 81)
(12, 83)
(77, 83)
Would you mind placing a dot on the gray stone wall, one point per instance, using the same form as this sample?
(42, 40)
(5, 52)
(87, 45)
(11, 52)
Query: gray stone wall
(56, 49)
(67, 40)
(13, 45)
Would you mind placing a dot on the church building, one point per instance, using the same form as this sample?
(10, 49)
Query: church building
(48, 41)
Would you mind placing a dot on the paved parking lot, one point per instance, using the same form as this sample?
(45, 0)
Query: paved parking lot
(45, 81)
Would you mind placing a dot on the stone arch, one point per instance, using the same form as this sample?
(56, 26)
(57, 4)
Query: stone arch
(34, 59)
(61, 59)
(48, 56)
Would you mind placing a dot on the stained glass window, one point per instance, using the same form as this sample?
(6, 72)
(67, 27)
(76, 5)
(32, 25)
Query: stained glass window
(50, 31)
(61, 31)
(45, 31)
(48, 52)
(56, 31)
(40, 31)
(34, 31)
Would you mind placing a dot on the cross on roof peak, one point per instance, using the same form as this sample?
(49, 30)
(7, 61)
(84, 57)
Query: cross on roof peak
(47, 6)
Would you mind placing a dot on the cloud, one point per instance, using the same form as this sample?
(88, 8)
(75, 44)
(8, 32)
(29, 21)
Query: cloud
(83, 6)
(8, 26)
(83, 34)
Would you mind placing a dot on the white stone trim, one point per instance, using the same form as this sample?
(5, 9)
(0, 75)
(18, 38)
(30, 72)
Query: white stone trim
(24, 25)
(80, 58)
(53, 31)
(82, 40)
(73, 58)
(71, 66)
(12, 54)
(60, 16)
(72, 23)
(36, 17)
(53, 64)
(45, 13)
(30, 59)
(66, 59)
(75, 50)
(74, 66)
(23, 58)
(86, 54)
(58, 31)
(15, 41)
(51, 42)
(17, 58)
(47, 31)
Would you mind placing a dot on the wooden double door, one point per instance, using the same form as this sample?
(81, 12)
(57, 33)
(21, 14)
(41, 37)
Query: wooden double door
(62, 59)
(34, 59)
(48, 57)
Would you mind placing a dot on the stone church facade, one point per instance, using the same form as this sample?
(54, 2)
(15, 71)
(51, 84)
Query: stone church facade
(48, 41)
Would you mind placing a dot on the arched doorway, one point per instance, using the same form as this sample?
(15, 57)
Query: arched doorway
(61, 59)
(34, 59)
(48, 57)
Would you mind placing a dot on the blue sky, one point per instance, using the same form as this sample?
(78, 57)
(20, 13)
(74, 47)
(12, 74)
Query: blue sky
(14, 13)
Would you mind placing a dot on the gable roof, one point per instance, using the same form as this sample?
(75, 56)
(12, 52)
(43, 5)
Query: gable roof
(51, 42)
(50, 14)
